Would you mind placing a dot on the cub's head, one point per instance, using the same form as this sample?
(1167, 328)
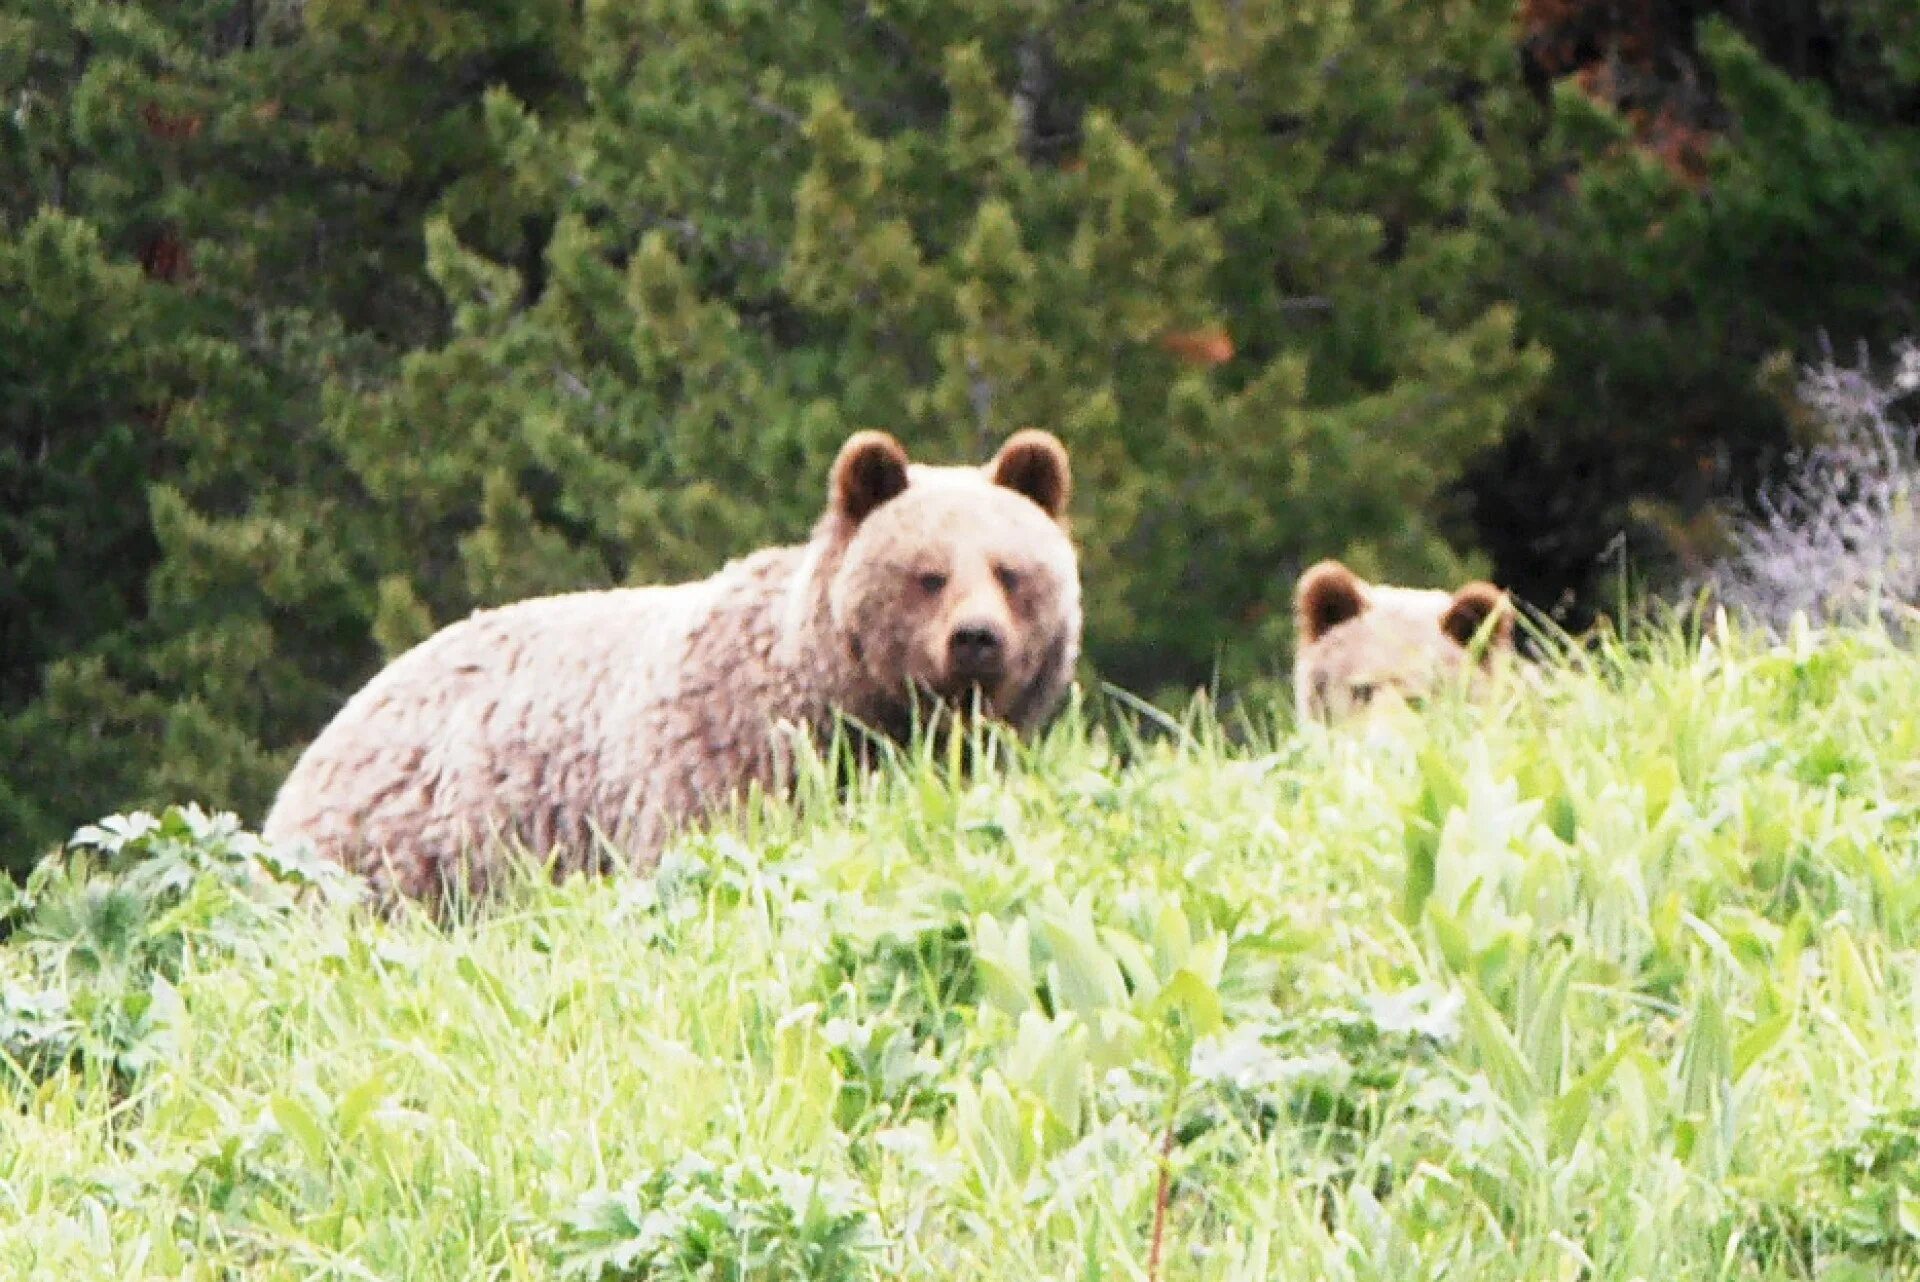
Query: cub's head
(1365, 645)
(955, 582)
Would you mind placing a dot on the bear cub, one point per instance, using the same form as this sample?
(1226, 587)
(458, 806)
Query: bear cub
(1369, 646)
(625, 714)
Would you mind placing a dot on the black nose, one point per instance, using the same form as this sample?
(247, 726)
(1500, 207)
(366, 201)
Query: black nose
(976, 651)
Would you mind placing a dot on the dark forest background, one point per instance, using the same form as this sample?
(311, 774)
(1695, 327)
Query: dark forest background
(324, 322)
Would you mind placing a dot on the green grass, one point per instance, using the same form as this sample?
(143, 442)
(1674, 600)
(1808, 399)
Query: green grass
(1617, 977)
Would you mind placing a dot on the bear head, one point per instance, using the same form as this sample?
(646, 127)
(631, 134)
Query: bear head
(1367, 646)
(954, 583)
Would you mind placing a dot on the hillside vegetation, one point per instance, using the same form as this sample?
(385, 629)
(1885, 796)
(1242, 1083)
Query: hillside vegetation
(1614, 979)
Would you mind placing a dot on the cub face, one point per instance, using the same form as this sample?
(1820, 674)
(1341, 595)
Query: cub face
(958, 583)
(1365, 647)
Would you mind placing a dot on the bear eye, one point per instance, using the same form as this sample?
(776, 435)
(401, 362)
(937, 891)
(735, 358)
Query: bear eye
(1009, 579)
(1363, 693)
(931, 581)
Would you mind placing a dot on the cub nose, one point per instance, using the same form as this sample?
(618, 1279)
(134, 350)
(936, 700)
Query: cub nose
(976, 652)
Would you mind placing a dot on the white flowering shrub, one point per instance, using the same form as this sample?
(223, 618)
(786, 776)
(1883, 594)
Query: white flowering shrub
(1838, 536)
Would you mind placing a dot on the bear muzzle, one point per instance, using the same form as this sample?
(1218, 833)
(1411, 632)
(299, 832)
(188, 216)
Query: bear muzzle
(976, 654)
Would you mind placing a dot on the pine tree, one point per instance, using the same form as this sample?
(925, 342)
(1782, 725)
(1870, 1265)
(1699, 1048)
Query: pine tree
(208, 211)
(1233, 254)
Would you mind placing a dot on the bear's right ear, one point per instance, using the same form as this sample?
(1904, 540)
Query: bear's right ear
(871, 469)
(1034, 463)
(1469, 611)
(1328, 595)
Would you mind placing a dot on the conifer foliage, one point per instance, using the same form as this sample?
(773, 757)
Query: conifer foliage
(1235, 255)
(210, 223)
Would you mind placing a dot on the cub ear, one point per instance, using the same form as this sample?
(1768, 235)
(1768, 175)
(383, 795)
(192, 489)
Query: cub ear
(1327, 596)
(1472, 606)
(1034, 463)
(871, 468)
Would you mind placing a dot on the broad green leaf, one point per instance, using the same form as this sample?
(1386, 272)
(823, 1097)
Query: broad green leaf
(300, 1125)
(1567, 1116)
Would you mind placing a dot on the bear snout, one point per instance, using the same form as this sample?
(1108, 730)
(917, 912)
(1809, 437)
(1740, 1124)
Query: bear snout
(977, 653)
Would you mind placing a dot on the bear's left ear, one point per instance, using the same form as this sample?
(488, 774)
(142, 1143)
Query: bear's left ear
(1034, 463)
(1472, 606)
(871, 468)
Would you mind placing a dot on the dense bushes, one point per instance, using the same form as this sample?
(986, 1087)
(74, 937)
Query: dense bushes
(338, 319)
(1708, 203)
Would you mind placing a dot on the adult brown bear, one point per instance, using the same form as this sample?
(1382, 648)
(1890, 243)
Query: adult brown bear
(627, 713)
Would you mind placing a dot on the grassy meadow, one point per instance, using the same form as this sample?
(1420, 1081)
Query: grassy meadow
(1616, 977)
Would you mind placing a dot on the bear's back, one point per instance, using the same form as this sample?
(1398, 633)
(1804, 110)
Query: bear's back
(545, 713)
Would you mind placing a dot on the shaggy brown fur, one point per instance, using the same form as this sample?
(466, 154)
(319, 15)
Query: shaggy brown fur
(630, 712)
(1367, 645)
